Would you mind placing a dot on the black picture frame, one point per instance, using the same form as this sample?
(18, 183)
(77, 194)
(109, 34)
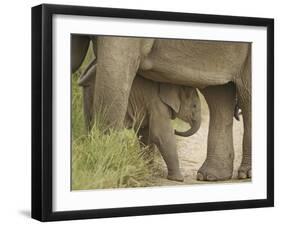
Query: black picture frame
(42, 107)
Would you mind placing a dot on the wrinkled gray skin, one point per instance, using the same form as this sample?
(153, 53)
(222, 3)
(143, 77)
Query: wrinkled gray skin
(219, 69)
(151, 107)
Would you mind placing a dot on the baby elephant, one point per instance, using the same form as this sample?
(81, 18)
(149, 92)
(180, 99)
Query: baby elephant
(151, 107)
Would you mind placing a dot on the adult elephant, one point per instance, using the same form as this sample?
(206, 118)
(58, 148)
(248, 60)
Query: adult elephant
(221, 70)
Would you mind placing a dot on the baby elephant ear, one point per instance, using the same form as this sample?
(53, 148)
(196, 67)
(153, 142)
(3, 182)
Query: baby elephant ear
(169, 94)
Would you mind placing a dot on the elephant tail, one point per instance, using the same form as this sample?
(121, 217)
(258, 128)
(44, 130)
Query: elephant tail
(237, 112)
(243, 79)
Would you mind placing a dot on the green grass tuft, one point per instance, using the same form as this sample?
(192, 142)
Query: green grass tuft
(99, 160)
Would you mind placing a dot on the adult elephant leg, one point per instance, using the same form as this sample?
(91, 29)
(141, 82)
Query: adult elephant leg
(87, 81)
(117, 63)
(245, 169)
(79, 48)
(220, 152)
(245, 97)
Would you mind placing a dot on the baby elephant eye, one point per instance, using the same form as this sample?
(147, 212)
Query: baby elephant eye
(194, 105)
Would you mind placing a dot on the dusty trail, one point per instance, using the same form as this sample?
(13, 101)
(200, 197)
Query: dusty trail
(192, 152)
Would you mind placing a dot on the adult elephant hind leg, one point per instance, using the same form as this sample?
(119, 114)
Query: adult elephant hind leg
(245, 169)
(220, 152)
(245, 101)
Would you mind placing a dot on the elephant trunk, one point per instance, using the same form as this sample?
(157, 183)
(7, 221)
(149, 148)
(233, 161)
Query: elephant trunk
(88, 75)
(87, 81)
(194, 128)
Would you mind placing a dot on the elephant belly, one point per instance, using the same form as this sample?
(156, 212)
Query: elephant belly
(187, 77)
(194, 63)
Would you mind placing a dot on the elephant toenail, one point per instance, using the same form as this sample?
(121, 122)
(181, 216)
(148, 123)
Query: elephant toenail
(242, 175)
(249, 173)
(211, 178)
(200, 176)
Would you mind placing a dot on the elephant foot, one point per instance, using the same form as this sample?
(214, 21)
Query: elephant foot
(244, 172)
(214, 170)
(175, 177)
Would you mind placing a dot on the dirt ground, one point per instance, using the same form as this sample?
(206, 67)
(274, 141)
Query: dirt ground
(192, 152)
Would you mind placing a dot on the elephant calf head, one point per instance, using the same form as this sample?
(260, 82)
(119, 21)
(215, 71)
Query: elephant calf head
(185, 104)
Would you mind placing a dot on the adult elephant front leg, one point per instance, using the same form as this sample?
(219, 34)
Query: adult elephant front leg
(117, 63)
(220, 153)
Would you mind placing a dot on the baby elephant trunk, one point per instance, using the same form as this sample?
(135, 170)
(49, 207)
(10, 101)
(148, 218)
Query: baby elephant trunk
(195, 125)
